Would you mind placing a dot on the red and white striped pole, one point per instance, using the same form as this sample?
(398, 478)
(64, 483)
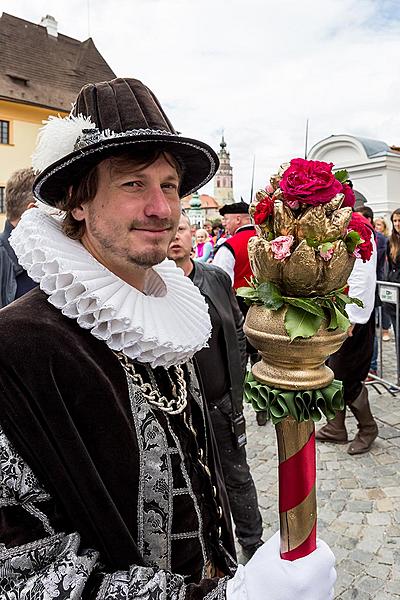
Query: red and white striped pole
(297, 480)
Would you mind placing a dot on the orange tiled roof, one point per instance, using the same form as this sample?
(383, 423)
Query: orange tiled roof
(206, 202)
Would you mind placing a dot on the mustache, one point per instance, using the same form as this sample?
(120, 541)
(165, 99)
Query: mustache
(152, 224)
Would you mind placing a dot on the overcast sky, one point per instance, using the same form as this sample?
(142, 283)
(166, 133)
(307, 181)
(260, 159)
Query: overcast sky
(255, 68)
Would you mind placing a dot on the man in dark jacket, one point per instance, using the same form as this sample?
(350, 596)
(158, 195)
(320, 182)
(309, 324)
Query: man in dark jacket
(222, 367)
(108, 484)
(15, 281)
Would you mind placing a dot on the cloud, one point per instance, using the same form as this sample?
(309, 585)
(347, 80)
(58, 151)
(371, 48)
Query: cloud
(257, 68)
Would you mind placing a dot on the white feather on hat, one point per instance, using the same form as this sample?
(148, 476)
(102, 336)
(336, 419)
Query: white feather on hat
(57, 138)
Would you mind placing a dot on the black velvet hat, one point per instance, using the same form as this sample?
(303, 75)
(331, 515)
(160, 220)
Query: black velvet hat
(237, 208)
(109, 118)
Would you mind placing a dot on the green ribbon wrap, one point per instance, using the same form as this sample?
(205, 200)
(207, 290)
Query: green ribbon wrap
(301, 405)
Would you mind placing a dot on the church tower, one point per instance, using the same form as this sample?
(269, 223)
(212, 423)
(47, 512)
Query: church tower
(223, 187)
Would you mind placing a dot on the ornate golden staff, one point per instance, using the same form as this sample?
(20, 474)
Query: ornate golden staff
(301, 260)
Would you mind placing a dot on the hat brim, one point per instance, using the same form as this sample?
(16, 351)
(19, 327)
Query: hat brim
(198, 160)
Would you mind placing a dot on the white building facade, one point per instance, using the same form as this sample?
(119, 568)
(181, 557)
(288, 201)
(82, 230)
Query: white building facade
(373, 167)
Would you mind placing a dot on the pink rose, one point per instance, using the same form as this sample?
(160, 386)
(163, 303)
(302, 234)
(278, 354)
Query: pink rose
(293, 204)
(280, 246)
(327, 255)
(349, 196)
(309, 182)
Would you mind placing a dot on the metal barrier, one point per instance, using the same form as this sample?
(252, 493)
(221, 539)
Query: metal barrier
(388, 292)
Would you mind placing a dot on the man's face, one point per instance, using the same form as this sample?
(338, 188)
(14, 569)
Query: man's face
(208, 227)
(181, 246)
(231, 223)
(133, 217)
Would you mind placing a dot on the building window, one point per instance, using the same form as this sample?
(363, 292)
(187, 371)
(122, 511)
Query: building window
(4, 132)
(2, 199)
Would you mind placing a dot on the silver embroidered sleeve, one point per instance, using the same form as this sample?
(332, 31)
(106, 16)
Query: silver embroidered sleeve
(219, 592)
(145, 583)
(45, 569)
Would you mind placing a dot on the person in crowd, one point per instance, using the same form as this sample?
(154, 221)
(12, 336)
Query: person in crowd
(109, 482)
(232, 255)
(351, 362)
(393, 256)
(203, 247)
(381, 244)
(193, 229)
(233, 258)
(222, 367)
(207, 225)
(15, 281)
(217, 232)
(382, 227)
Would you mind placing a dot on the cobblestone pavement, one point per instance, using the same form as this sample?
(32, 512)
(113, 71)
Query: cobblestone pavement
(358, 496)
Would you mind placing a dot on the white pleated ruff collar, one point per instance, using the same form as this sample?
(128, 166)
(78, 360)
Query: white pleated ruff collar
(164, 326)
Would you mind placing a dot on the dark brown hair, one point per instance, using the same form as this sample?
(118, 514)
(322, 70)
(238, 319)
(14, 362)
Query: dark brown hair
(19, 193)
(86, 188)
(394, 240)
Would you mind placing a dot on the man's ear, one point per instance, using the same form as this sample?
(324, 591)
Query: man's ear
(79, 212)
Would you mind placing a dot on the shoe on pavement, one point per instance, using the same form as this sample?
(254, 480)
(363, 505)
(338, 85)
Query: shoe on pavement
(386, 336)
(367, 426)
(334, 431)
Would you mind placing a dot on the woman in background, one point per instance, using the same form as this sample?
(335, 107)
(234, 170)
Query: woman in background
(393, 255)
(204, 248)
(382, 228)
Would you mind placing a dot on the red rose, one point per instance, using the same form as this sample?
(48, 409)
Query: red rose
(263, 210)
(349, 196)
(360, 224)
(309, 182)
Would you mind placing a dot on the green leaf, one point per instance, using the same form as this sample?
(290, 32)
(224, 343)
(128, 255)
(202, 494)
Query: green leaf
(330, 312)
(307, 304)
(312, 242)
(300, 323)
(352, 240)
(349, 300)
(333, 324)
(325, 246)
(247, 292)
(356, 301)
(342, 175)
(270, 295)
(342, 320)
(345, 298)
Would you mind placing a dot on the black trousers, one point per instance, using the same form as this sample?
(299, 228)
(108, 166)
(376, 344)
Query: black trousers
(351, 362)
(238, 480)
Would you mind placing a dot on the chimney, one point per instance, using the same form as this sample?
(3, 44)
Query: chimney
(51, 25)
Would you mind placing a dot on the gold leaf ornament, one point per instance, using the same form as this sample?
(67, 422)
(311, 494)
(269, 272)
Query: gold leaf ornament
(263, 264)
(285, 222)
(301, 271)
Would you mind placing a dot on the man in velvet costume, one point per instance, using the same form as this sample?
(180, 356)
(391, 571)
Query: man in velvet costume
(109, 483)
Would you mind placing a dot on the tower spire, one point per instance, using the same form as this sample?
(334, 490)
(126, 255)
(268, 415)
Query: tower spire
(223, 185)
